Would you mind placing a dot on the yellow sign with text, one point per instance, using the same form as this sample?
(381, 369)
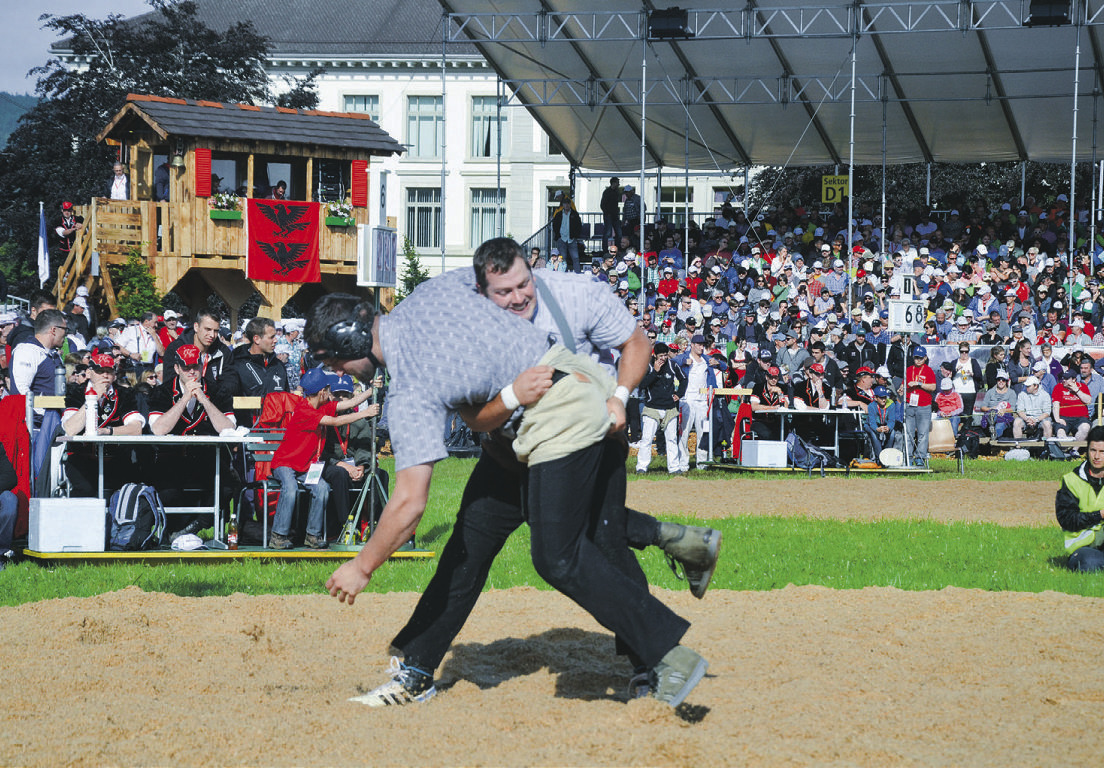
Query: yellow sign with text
(833, 189)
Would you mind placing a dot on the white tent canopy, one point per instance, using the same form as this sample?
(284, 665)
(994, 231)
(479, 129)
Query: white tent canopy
(768, 83)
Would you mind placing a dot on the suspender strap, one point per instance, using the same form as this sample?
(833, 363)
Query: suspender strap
(557, 315)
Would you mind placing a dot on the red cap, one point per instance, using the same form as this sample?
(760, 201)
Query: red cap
(816, 368)
(103, 360)
(66, 206)
(773, 371)
(188, 354)
(864, 369)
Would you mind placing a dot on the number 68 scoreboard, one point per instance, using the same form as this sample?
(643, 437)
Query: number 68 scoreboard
(906, 316)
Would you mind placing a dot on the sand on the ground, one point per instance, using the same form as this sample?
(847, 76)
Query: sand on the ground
(798, 676)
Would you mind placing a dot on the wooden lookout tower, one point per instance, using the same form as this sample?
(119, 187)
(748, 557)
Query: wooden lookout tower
(189, 152)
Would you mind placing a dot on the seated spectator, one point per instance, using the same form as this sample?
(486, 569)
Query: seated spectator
(1076, 506)
(1033, 409)
(883, 422)
(117, 413)
(767, 396)
(1071, 407)
(348, 451)
(998, 407)
(184, 405)
(1088, 376)
(301, 448)
(949, 403)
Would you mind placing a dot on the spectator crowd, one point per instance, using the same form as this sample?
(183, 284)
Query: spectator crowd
(781, 304)
(166, 374)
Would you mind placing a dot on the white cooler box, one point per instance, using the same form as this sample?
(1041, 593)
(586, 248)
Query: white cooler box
(763, 453)
(67, 525)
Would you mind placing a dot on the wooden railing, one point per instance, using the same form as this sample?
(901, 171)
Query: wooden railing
(186, 238)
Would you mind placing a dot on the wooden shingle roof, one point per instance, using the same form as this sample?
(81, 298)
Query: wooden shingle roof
(211, 119)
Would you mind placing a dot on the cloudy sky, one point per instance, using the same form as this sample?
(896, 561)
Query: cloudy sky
(23, 42)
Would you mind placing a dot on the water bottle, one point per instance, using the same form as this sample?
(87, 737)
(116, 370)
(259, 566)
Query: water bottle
(59, 381)
(91, 405)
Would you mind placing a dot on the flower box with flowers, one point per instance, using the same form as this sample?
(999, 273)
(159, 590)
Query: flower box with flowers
(225, 205)
(339, 215)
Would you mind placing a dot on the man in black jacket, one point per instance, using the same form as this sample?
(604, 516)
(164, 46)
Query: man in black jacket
(254, 370)
(663, 386)
(214, 355)
(567, 229)
(611, 211)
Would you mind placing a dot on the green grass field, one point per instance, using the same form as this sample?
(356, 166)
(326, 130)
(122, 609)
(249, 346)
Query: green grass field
(760, 553)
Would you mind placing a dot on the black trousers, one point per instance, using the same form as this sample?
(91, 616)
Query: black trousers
(491, 509)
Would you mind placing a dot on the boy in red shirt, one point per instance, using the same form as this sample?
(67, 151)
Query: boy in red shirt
(302, 446)
(919, 385)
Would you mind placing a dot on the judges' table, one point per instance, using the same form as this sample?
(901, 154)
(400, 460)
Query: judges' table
(178, 441)
(833, 413)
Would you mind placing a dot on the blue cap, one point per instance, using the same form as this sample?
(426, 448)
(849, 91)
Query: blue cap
(919, 351)
(315, 380)
(342, 384)
(881, 392)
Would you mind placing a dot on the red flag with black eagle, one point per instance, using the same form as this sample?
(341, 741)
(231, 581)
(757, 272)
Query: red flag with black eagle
(283, 241)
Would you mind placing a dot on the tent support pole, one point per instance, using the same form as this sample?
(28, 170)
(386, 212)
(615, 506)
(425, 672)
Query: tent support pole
(643, 122)
(1073, 159)
(927, 188)
(849, 245)
(1093, 201)
(444, 141)
(882, 238)
(686, 182)
(498, 160)
(1023, 183)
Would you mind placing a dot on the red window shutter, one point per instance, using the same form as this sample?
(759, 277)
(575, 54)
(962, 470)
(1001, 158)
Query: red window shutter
(202, 172)
(360, 183)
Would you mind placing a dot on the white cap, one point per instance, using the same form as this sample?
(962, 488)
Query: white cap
(1030, 381)
(82, 290)
(983, 288)
(80, 301)
(693, 268)
(622, 268)
(170, 315)
(982, 250)
(837, 263)
(623, 285)
(818, 264)
(1040, 365)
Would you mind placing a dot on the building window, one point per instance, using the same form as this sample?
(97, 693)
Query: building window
(369, 105)
(734, 196)
(423, 216)
(484, 132)
(554, 147)
(487, 216)
(672, 204)
(424, 118)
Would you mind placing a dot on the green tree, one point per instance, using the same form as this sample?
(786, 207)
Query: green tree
(302, 92)
(952, 186)
(53, 155)
(413, 274)
(135, 287)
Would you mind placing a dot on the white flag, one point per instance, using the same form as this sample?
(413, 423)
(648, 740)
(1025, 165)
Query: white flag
(43, 252)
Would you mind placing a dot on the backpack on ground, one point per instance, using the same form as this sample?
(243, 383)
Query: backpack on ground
(803, 455)
(969, 440)
(136, 517)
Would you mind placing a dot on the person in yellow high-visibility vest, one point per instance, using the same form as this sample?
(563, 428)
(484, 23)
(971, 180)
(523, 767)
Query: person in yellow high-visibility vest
(1078, 506)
